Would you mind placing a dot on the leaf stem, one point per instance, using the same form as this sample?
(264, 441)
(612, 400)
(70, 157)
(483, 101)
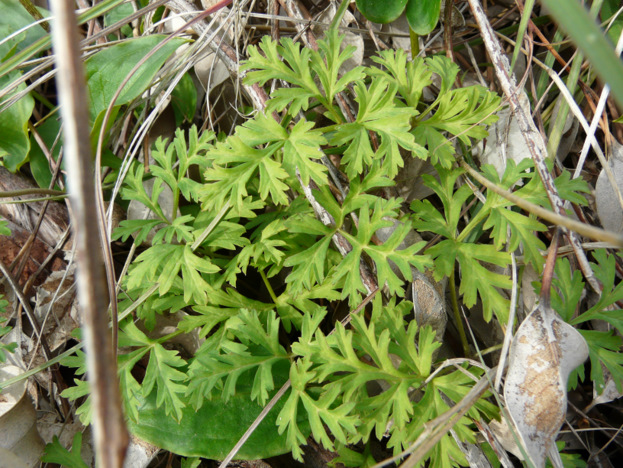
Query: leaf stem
(268, 286)
(457, 314)
(339, 14)
(415, 43)
(475, 221)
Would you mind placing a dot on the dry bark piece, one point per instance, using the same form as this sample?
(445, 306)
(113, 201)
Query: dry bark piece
(25, 215)
(544, 352)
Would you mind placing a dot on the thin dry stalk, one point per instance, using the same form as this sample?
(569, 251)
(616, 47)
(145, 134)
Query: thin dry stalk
(440, 426)
(110, 433)
(532, 136)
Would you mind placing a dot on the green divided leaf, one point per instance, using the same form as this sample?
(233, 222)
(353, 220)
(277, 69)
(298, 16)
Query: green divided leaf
(163, 372)
(56, 453)
(502, 217)
(477, 279)
(300, 150)
(243, 162)
(377, 113)
(295, 69)
(604, 349)
(251, 359)
(321, 412)
(300, 68)
(162, 263)
(328, 62)
(410, 76)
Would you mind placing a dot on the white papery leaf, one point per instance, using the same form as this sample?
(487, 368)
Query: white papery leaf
(544, 352)
(609, 392)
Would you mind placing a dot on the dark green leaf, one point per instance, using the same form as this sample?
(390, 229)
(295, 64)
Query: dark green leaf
(212, 431)
(382, 12)
(14, 142)
(106, 70)
(423, 15)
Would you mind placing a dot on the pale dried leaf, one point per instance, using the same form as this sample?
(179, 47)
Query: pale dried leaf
(608, 206)
(140, 453)
(409, 183)
(544, 352)
(610, 391)
(18, 429)
(211, 71)
(53, 302)
(529, 296)
(429, 304)
(400, 33)
(505, 141)
(136, 210)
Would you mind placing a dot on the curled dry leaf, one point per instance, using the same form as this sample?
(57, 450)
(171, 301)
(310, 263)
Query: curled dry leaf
(544, 352)
(429, 304)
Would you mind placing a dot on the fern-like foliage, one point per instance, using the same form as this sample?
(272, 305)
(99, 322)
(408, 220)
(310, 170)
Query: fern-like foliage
(255, 275)
(222, 361)
(497, 217)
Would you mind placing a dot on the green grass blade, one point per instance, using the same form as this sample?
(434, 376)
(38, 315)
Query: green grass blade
(523, 25)
(44, 43)
(591, 40)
